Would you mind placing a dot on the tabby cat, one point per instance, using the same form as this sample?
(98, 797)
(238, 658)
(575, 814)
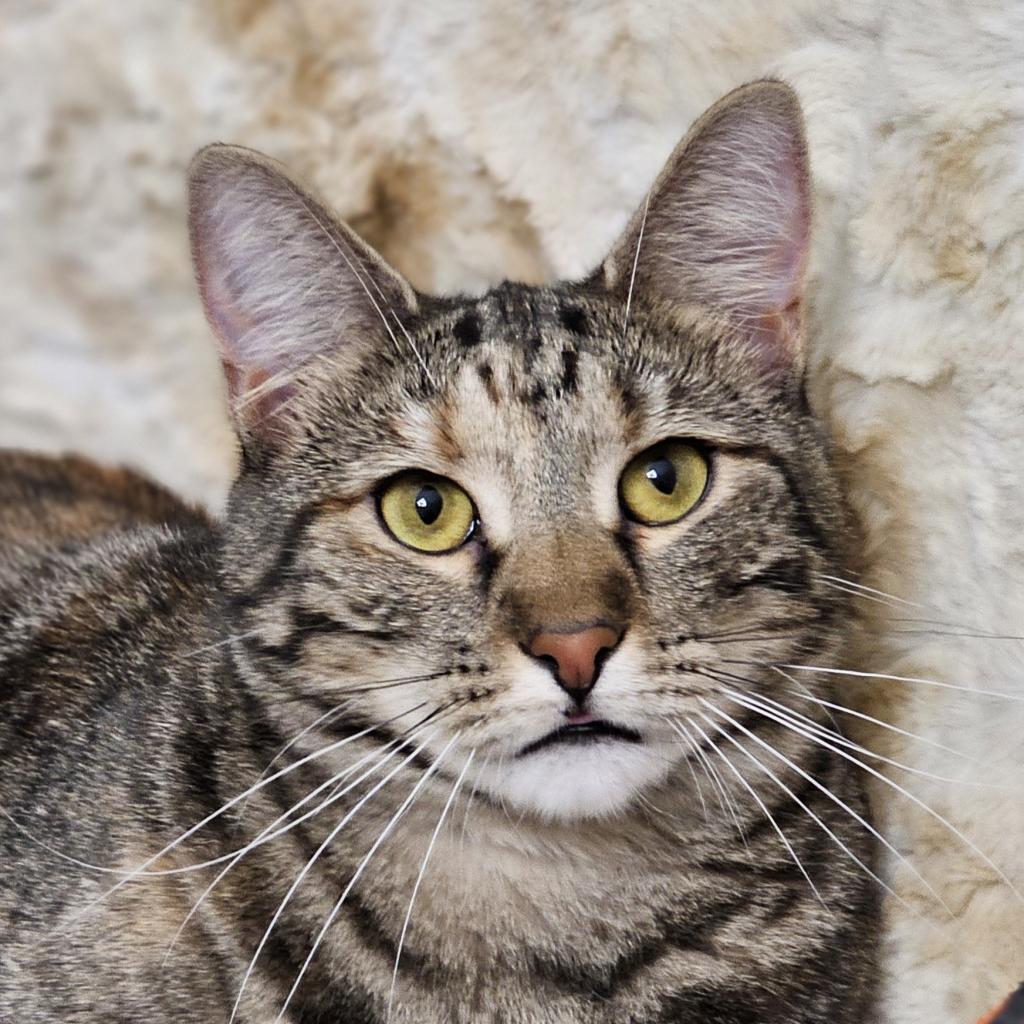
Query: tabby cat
(475, 705)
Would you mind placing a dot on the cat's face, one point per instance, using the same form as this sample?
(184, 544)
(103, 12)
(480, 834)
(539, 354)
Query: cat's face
(531, 525)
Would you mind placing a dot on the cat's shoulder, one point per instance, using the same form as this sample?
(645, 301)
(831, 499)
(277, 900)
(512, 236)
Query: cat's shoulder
(94, 561)
(58, 502)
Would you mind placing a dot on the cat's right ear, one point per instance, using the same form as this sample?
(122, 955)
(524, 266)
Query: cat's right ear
(726, 226)
(282, 280)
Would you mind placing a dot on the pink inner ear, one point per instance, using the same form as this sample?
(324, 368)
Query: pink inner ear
(246, 368)
(223, 311)
(251, 405)
(777, 335)
(793, 232)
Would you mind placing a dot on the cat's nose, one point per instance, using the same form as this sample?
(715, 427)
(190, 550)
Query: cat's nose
(575, 655)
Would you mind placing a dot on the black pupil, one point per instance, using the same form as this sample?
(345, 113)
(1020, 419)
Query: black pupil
(429, 504)
(662, 473)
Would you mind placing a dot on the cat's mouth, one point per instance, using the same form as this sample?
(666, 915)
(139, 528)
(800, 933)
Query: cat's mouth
(586, 729)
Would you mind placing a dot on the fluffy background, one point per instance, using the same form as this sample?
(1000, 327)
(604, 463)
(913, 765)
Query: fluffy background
(471, 140)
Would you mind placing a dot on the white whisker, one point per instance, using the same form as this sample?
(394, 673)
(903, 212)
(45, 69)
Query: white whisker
(882, 597)
(472, 793)
(867, 592)
(358, 872)
(309, 865)
(221, 643)
(268, 834)
(978, 852)
(805, 692)
(693, 773)
(760, 803)
(408, 336)
(140, 871)
(728, 807)
(839, 803)
(842, 709)
(903, 679)
(419, 877)
(809, 723)
(291, 743)
(369, 294)
(636, 262)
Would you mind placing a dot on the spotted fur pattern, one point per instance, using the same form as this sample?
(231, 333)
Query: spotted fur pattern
(154, 663)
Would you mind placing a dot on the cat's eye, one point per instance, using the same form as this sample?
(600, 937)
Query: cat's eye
(426, 512)
(663, 483)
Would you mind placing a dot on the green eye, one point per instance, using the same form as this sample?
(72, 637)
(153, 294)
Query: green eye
(427, 512)
(663, 483)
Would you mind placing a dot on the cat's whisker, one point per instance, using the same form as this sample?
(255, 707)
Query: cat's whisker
(340, 790)
(932, 627)
(141, 870)
(860, 594)
(268, 834)
(364, 688)
(962, 634)
(728, 807)
(805, 694)
(652, 808)
(405, 805)
(66, 857)
(636, 263)
(221, 643)
(501, 793)
(837, 737)
(265, 387)
(332, 835)
(322, 720)
(693, 772)
(408, 337)
(814, 817)
(1002, 695)
(827, 792)
(436, 716)
(867, 592)
(760, 803)
(722, 675)
(885, 780)
(387, 684)
(419, 877)
(747, 629)
(271, 832)
(973, 630)
(747, 638)
(866, 752)
(359, 277)
(891, 600)
(472, 793)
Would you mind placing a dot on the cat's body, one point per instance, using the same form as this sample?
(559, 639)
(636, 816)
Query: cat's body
(154, 665)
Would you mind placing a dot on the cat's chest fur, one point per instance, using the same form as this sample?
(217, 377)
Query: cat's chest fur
(637, 921)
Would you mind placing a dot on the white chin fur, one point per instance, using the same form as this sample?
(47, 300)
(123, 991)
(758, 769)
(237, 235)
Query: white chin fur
(574, 781)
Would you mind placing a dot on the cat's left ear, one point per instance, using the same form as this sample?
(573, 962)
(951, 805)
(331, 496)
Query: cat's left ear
(726, 225)
(283, 281)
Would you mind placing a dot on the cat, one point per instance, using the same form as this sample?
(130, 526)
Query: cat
(474, 707)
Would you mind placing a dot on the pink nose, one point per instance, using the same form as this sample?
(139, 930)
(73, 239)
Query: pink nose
(576, 654)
